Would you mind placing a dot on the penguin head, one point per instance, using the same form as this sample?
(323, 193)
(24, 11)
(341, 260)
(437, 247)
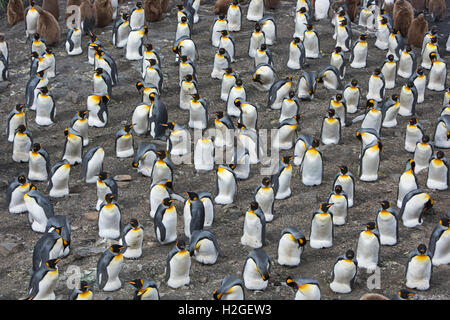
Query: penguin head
(338, 189)
(36, 36)
(331, 112)
(338, 97)
(371, 225)
(137, 283)
(161, 154)
(291, 283)
(422, 248)
(224, 32)
(92, 36)
(22, 179)
(116, 248)
(41, 73)
(169, 184)
(32, 3)
(167, 202)
(420, 71)
(254, 205)
(125, 16)
(349, 254)
(169, 125)
(83, 114)
(240, 126)
(434, 40)
(219, 114)
(385, 204)
(44, 90)
(237, 103)
(84, 286)
(315, 143)
(309, 27)
(410, 84)
(34, 54)
(232, 166)
(184, 58)
(363, 37)
(429, 204)
(287, 159)
(406, 294)
(99, 51)
(238, 82)
(257, 78)
(102, 175)
(413, 121)
(263, 47)
(338, 49)
(217, 295)
(384, 20)
(445, 222)
(439, 154)
(412, 164)
(127, 128)
(21, 128)
(195, 96)
(183, 19)
(36, 147)
(66, 132)
(433, 56)
(139, 86)
(377, 71)
(139, 4)
(425, 138)
(394, 97)
(302, 10)
(192, 195)
(134, 223)
(257, 27)
(235, 2)
(343, 22)
(18, 107)
(181, 245)
(99, 71)
(48, 50)
(152, 62)
(221, 17)
(228, 70)
(188, 77)
(109, 197)
(296, 40)
(370, 104)
(266, 181)
(390, 57)
(51, 264)
(344, 169)
(180, 7)
(325, 206)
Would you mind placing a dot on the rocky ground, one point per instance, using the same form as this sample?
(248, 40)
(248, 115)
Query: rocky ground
(73, 84)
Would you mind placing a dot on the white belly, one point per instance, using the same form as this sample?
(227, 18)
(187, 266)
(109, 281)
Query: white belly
(418, 273)
(289, 252)
(344, 272)
(252, 231)
(180, 265)
(367, 251)
(206, 252)
(321, 231)
(252, 278)
(442, 249)
(312, 169)
(113, 270)
(109, 222)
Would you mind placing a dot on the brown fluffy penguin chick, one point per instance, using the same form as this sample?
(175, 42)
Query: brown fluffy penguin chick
(103, 13)
(352, 9)
(164, 5)
(153, 10)
(403, 15)
(52, 7)
(419, 5)
(221, 7)
(271, 4)
(15, 11)
(87, 15)
(48, 27)
(373, 296)
(417, 30)
(437, 8)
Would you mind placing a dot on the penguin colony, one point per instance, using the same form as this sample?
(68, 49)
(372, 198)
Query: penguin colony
(156, 130)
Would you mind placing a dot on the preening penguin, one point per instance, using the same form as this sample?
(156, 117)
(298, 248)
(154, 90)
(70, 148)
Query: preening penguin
(231, 288)
(204, 247)
(108, 268)
(291, 246)
(281, 180)
(58, 183)
(306, 86)
(368, 248)
(438, 172)
(15, 192)
(407, 182)
(97, 105)
(38, 163)
(131, 237)
(39, 208)
(422, 154)
(256, 271)
(178, 266)
(442, 132)
(145, 289)
(330, 77)
(177, 142)
(124, 142)
(387, 222)
(390, 109)
(73, 146)
(264, 77)
(439, 242)
(165, 222)
(322, 230)
(49, 246)
(344, 273)
(305, 289)
(43, 282)
(185, 47)
(23, 140)
(419, 268)
(415, 204)
(278, 91)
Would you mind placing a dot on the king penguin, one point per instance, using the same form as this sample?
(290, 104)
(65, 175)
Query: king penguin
(231, 288)
(16, 118)
(390, 109)
(407, 181)
(23, 140)
(423, 153)
(376, 85)
(145, 289)
(43, 282)
(419, 79)
(109, 218)
(440, 242)
(282, 179)
(311, 42)
(83, 292)
(234, 16)
(352, 94)
(370, 162)
(226, 187)
(124, 143)
(368, 247)
(415, 204)
(312, 165)
(346, 180)
(105, 185)
(407, 63)
(178, 266)
(442, 132)
(39, 208)
(387, 222)
(419, 268)
(255, 10)
(108, 268)
(73, 42)
(121, 30)
(38, 163)
(338, 199)
(305, 289)
(322, 230)
(330, 77)
(297, 57)
(92, 164)
(414, 134)
(165, 222)
(49, 246)
(58, 183)
(204, 247)
(256, 271)
(278, 91)
(131, 237)
(291, 246)
(80, 123)
(438, 172)
(15, 192)
(408, 99)
(193, 214)
(344, 273)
